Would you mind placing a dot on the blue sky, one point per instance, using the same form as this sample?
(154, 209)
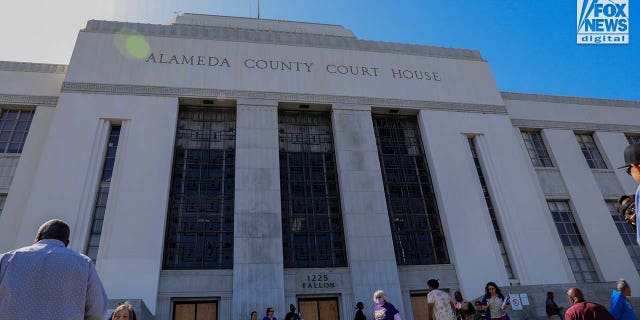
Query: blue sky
(530, 45)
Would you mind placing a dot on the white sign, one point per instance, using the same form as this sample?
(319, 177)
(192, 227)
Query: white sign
(524, 299)
(603, 22)
(516, 304)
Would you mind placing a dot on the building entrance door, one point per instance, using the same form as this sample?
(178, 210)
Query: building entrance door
(195, 310)
(419, 305)
(319, 308)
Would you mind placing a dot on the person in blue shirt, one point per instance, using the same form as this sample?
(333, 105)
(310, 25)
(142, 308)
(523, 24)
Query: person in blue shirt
(632, 166)
(620, 307)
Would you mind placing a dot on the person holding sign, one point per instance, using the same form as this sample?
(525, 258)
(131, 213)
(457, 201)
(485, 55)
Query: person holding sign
(494, 302)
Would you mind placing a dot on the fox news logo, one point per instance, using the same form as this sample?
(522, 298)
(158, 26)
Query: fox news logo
(603, 22)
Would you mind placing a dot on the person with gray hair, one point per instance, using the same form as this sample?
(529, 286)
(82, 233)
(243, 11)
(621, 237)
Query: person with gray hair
(384, 310)
(620, 307)
(49, 281)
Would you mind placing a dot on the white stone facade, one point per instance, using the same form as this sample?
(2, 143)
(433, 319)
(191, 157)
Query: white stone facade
(220, 59)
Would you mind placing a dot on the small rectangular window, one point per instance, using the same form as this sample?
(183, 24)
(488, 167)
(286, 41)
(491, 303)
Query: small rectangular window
(590, 151)
(536, 148)
(14, 126)
(633, 138)
(574, 246)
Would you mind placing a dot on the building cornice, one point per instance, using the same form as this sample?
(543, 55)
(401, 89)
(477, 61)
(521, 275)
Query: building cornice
(16, 99)
(75, 87)
(32, 67)
(279, 38)
(569, 100)
(579, 126)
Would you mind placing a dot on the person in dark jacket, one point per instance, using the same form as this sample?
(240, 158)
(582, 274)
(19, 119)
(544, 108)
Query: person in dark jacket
(553, 311)
(359, 314)
(292, 315)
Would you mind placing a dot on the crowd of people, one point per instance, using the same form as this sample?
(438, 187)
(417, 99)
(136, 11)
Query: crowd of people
(47, 280)
(494, 305)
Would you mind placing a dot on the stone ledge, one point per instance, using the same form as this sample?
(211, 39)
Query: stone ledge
(278, 37)
(32, 67)
(569, 100)
(76, 87)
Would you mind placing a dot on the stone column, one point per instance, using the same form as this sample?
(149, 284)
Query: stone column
(368, 238)
(258, 275)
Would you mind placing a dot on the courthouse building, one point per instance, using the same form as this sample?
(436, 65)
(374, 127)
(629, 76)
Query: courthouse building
(216, 165)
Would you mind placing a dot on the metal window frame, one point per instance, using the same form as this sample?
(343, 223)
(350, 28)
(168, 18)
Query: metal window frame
(536, 148)
(579, 274)
(12, 131)
(415, 201)
(632, 138)
(201, 202)
(590, 151)
(308, 135)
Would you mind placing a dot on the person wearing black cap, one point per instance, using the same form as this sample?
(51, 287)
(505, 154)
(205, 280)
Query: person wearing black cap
(632, 166)
(292, 315)
(359, 314)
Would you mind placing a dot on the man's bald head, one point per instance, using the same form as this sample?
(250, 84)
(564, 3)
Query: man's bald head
(54, 229)
(575, 295)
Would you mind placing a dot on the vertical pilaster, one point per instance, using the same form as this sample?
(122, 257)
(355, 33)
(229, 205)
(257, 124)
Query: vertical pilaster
(371, 254)
(258, 277)
(463, 211)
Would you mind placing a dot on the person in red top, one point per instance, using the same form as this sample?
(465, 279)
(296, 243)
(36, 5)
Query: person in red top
(583, 310)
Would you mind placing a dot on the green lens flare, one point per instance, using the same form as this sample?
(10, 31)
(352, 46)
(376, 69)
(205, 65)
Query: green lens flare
(137, 47)
(131, 44)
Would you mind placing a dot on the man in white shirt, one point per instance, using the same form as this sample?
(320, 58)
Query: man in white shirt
(49, 281)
